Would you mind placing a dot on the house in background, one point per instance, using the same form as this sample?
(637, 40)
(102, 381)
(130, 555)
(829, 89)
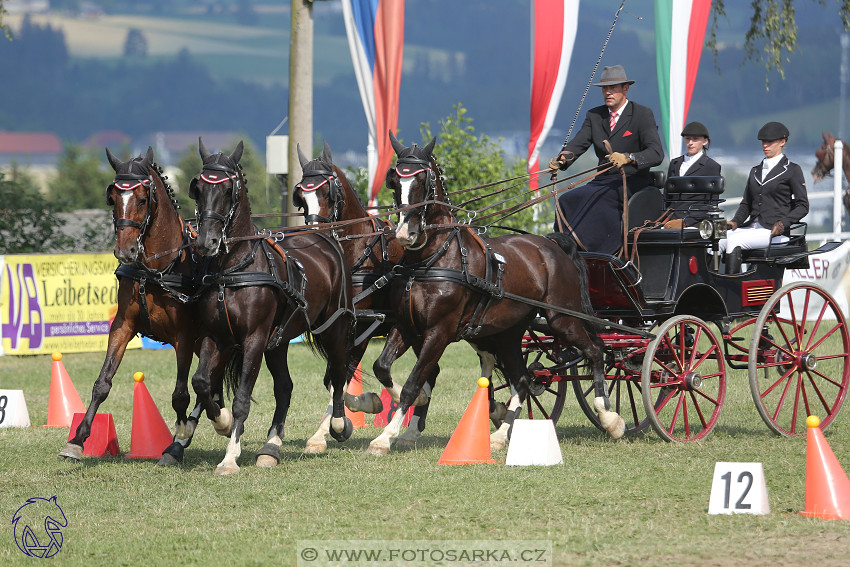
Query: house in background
(29, 148)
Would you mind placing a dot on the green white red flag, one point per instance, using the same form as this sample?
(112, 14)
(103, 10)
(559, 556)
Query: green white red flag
(679, 41)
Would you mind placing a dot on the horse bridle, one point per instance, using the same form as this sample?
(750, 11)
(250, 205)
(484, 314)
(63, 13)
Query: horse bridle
(335, 196)
(215, 174)
(129, 182)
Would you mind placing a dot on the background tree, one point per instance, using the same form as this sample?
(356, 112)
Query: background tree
(468, 161)
(772, 35)
(28, 222)
(82, 176)
(2, 25)
(136, 44)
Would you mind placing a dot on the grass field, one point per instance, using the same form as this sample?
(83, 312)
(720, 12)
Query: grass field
(640, 501)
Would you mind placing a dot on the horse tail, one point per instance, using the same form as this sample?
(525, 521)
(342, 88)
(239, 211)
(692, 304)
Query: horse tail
(233, 371)
(568, 245)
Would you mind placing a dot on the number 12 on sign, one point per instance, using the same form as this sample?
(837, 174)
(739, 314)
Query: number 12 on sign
(738, 488)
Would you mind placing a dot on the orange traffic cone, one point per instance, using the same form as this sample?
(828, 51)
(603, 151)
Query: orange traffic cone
(103, 439)
(149, 435)
(470, 442)
(355, 388)
(64, 401)
(827, 485)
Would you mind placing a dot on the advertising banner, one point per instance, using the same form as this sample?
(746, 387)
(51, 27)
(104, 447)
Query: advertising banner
(830, 271)
(57, 303)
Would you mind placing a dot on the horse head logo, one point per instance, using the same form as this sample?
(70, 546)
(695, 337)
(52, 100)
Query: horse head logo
(38, 527)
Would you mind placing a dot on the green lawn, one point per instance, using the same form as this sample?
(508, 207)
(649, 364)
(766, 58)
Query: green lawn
(639, 501)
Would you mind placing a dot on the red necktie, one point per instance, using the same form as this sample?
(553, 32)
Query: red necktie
(613, 121)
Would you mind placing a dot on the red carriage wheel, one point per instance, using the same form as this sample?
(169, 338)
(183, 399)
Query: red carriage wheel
(799, 362)
(684, 379)
(623, 361)
(548, 389)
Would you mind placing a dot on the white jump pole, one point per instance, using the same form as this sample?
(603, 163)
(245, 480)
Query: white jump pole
(837, 178)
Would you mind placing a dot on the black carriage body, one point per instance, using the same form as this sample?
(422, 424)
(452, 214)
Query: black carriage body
(673, 274)
(661, 353)
(673, 271)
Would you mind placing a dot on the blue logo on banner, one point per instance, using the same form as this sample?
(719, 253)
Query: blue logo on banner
(38, 527)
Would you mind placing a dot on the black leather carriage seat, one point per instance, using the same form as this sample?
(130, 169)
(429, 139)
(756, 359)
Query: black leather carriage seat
(648, 203)
(693, 197)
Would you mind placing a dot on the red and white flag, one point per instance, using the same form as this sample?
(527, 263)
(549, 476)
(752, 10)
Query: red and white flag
(555, 23)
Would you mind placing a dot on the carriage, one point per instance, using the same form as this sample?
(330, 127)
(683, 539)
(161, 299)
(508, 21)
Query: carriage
(674, 324)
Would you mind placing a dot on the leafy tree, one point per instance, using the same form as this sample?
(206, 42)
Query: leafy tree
(2, 25)
(81, 180)
(772, 35)
(136, 44)
(468, 161)
(28, 222)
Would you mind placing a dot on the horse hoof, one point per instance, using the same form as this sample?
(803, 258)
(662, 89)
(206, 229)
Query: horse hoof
(72, 451)
(268, 456)
(405, 443)
(167, 460)
(222, 470)
(378, 450)
(223, 424)
(497, 443)
(618, 429)
(266, 461)
(347, 430)
(315, 448)
(422, 399)
(367, 402)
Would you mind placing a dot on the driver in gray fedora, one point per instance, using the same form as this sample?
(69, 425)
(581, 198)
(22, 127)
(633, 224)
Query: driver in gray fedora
(593, 212)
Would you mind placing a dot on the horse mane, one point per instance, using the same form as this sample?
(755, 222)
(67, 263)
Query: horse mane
(168, 189)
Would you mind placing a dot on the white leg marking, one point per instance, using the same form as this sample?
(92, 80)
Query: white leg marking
(228, 464)
(381, 444)
(184, 431)
(499, 438)
(395, 392)
(318, 442)
(610, 420)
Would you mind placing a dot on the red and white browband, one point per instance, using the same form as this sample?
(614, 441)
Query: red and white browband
(129, 185)
(407, 170)
(216, 178)
(311, 186)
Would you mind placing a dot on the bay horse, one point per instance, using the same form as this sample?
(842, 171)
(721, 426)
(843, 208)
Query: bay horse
(258, 300)
(156, 280)
(371, 250)
(455, 285)
(825, 155)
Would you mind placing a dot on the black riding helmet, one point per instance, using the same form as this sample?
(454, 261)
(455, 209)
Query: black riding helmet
(697, 129)
(773, 131)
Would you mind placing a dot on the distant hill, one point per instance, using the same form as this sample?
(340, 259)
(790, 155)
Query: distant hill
(204, 70)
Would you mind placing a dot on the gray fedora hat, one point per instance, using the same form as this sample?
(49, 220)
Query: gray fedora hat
(614, 75)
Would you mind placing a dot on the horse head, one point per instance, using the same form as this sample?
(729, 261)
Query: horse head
(826, 157)
(319, 194)
(217, 191)
(132, 196)
(413, 181)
